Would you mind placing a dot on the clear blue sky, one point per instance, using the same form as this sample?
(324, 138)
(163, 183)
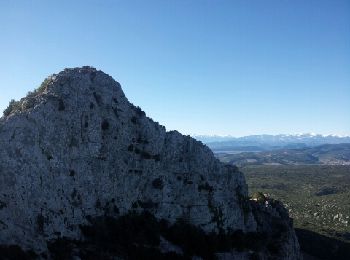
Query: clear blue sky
(205, 67)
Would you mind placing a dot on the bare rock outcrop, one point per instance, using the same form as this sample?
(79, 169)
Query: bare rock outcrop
(76, 149)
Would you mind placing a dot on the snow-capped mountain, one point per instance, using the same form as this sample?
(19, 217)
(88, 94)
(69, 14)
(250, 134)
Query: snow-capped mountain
(268, 142)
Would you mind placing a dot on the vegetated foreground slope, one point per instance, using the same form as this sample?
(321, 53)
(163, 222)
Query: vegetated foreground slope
(328, 154)
(77, 157)
(317, 198)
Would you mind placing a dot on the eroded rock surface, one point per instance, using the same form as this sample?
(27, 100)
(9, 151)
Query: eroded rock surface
(77, 149)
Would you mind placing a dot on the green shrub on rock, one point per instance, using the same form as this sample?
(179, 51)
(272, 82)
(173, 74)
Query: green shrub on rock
(259, 197)
(27, 102)
(12, 107)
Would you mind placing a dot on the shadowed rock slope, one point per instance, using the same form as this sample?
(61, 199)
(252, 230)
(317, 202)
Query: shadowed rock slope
(76, 150)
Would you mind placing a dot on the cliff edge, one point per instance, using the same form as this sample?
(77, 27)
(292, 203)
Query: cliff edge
(76, 150)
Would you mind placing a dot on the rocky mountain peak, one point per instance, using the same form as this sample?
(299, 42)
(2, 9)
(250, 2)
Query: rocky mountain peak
(67, 83)
(76, 150)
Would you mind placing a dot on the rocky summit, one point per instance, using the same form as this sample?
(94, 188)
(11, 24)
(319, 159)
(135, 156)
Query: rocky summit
(83, 171)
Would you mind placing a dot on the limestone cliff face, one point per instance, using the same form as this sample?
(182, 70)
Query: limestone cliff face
(78, 149)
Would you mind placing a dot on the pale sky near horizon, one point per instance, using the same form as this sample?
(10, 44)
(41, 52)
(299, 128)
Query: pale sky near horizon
(200, 67)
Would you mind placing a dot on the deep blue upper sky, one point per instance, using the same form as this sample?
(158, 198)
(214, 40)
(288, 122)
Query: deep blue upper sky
(205, 67)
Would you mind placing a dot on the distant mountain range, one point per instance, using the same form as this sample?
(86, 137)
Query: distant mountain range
(327, 154)
(256, 143)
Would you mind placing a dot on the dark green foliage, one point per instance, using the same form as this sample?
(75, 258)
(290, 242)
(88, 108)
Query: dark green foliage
(98, 98)
(158, 183)
(15, 106)
(217, 215)
(141, 140)
(314, 194)
(72, 173)
(146, 155)
(73, 142)
(243, 203)
(189, 182)
(326, 191)
(40, 221)
(28, 102)
(2, 204)
(92, 76)
(135, 171)
(140, 112)
(76, 199)
(133, 119)
(74, 193)
(205, 187)
(116, 112)
(145, 204)
(105, 125)
(61, 106)
(130, 148)
(233, 168)
(43, 86)
(12, 107)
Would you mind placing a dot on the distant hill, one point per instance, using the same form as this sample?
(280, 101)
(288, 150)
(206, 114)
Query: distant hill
(328, 154)
(256, 143)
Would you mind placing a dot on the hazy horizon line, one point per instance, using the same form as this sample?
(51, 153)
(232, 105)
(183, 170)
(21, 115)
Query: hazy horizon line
(280, 134)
